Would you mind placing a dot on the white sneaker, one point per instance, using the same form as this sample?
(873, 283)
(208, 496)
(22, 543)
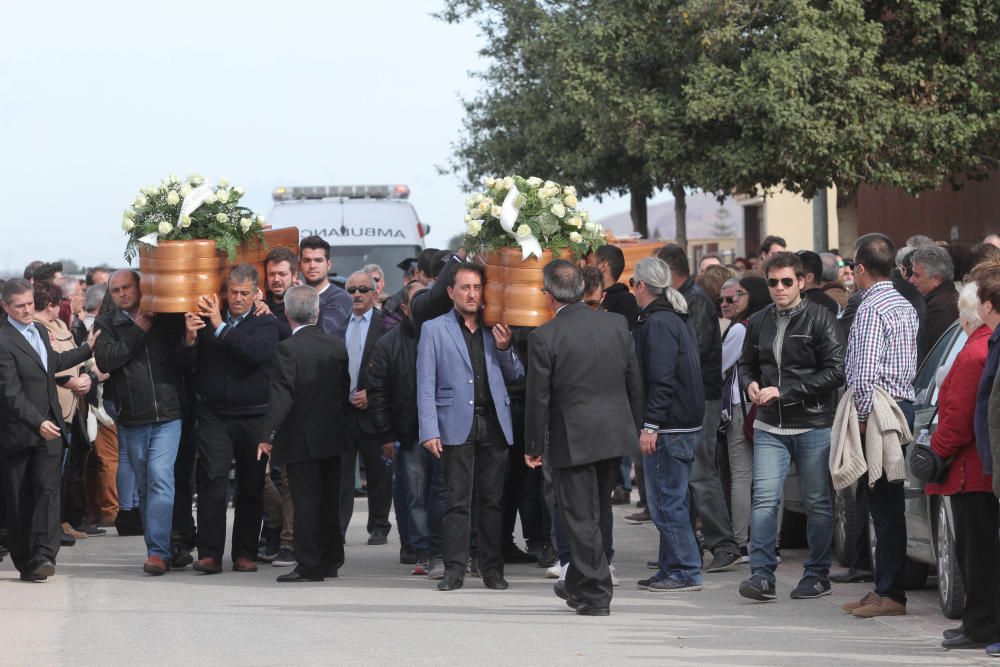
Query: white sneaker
(563, 569)
(553, 572)
(615, 581)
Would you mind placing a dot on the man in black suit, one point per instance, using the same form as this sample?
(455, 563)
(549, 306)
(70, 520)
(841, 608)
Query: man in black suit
(363, 329)
(230, 348)
(308, 402)
(32, 432)
(589, 426)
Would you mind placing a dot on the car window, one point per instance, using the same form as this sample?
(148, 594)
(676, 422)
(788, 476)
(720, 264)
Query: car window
(958, 342)
(923, 383)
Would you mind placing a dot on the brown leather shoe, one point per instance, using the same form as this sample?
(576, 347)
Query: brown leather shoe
(73, 532)
(156, 566)
(880, 607)
(244, 565)
(849, 607)
(206, 565)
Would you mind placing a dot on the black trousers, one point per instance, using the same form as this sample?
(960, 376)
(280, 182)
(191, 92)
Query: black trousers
(478, 467)
(319, 544)
(220, 440)
(31, 480)
(977, 521)
(183, 530)
(584, 494)
(862, 553)
(74, 501)
(378, 474)
(522, 493)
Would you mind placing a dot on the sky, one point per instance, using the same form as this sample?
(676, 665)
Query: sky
(100, 99)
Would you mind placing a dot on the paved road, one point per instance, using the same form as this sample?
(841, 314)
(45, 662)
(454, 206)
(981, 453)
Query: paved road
(101, 609)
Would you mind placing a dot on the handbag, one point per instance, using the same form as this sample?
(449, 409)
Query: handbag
(924, 463)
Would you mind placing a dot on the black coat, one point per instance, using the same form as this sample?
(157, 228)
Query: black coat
(584, 390)
(392, 385)
(308, 399)
(29, 391)
(812, 366)
(942, 310)
(617, 299)
(375, 331)
(701, 310)
(232, 372)
(145, 381)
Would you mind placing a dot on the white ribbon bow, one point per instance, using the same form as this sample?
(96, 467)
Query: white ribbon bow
(194, 199)
(508, 216)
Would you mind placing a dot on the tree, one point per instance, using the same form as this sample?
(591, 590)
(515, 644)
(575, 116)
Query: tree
(806, 94)
(526, 119)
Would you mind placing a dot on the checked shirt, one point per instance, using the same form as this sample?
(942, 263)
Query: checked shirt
(882, 347)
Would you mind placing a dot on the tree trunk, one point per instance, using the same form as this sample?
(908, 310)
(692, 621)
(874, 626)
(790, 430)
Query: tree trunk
(680, 216)
(640, 219)
(847, 219)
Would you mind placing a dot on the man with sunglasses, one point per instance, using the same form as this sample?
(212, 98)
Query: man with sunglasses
(364, 328)
(791, 367)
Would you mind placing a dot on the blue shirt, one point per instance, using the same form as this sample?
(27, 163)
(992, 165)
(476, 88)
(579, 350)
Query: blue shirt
(983, 403)
(357, 325)
(26, 330)
(229, 321)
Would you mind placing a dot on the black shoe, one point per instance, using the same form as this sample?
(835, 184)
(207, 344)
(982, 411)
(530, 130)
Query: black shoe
(43, 568)
(722, 561)
(587, 610)
(547, 556)
(129, 523)
(450, 582)
(67, 540)
(620, 496)
(810, 587)
(268, 552)
(407, 556)
(512, 554)
(644, 584)
(295, 576)
(951, 633)
(759, 588)
(853, 576)
(180, 558)
(89, 530)
(30, 576)
(378, 537)
(640, 504)
(495, 582)
(331, 572)
(559, 588)
(962, 642)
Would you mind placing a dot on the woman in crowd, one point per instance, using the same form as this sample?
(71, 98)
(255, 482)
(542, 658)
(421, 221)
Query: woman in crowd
(973, 506)
(741, 298)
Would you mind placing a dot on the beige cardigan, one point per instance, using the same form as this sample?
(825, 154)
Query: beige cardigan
(885, 436)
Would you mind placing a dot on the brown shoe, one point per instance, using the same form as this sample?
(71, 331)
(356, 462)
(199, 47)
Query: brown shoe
(244, 565)
(849, 607)
(881, 607)
(155, 565)
(206, 565)
(73, 532)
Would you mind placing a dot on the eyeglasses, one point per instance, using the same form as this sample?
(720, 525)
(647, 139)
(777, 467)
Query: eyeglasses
(376, 279)
(734, 299)
(787, 282)
(364, 289)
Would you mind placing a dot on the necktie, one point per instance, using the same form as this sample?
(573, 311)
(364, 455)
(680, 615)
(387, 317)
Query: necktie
(354, 351)
(36, 342)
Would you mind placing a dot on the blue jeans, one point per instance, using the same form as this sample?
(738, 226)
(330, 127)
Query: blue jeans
(426, 497)
(626, 471)
(667, 471)
(771, 459)
(152, 450)
(128, 497)
(399, 503)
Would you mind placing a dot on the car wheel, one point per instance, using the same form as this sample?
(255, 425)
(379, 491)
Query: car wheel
(914, 572)
(951, 591)
(845, 526)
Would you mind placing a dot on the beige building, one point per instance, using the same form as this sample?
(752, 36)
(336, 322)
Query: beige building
(785, 214)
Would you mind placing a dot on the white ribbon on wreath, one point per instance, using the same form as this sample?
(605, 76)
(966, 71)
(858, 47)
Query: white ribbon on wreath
(191, 202)
(508, 216)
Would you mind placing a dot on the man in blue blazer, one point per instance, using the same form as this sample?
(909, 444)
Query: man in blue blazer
(464, 414)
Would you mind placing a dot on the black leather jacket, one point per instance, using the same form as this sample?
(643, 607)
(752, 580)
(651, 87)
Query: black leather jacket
(144, 378)
(811, 370)
(392, 385)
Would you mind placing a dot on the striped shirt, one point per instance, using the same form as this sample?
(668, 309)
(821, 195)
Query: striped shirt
(881, 347)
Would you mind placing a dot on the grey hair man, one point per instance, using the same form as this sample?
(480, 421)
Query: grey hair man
(578, 433)
(378, 276)
(932, 276)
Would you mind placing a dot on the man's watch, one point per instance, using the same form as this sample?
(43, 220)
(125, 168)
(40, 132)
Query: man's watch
(651, 431)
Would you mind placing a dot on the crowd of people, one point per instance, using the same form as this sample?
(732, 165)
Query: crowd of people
(287, 395)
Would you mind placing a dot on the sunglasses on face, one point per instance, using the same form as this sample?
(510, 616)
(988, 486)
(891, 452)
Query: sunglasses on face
(363, 289)
(787, 282)
(734, 299)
